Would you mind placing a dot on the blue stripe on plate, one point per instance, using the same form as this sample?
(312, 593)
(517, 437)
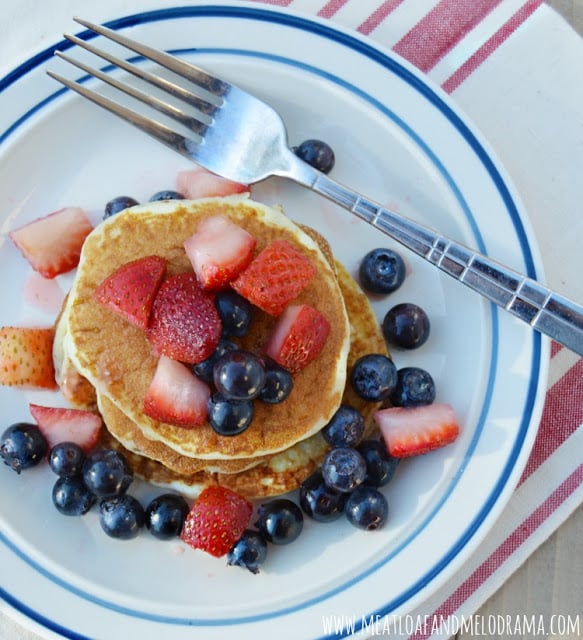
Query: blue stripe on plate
(409, 77)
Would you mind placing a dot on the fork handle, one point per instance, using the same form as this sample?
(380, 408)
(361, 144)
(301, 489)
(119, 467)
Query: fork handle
(525, 298)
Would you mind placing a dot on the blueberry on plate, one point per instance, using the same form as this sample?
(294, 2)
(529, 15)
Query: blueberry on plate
(367, 508)
(277, 385)
(319, 501)
(406, 325)
(239, 375)
(415, 387)
(23, 446)
(165, 515)
(380, 464)
(316, 153)
(235, 313)
(205, 369)
(229, 417)
(343, 469)
(121, 517)
(345, 428)
(107, 473)
(71, 497)
(374, 377)
(249, 552)
(280, 521)
(381, 271)
(66, 459)
(117, 204)
(167, 194)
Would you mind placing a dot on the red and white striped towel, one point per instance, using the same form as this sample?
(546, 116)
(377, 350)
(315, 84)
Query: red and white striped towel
(514, 67)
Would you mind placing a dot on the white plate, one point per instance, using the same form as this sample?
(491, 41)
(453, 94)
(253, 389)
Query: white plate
(398, 140)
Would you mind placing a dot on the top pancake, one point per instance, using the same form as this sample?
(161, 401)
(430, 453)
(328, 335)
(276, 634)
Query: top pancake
(119, 362)
(258, 477)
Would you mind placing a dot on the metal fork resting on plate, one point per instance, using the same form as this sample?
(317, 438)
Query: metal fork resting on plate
(239, 137)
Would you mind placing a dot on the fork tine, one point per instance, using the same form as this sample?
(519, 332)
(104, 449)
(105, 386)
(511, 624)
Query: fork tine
(214, 87)
(176, 141)
(170, 110)
(203, 106)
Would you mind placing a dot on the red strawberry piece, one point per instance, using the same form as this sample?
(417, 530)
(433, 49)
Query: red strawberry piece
(217, 520)
(130, 290)
(298, 337)
(275, 277)
(53, 244)
(59, 424)
(219, 251)
(176, 396)
(200, 183)
(26, 357)
(410, 431)
(184, 322)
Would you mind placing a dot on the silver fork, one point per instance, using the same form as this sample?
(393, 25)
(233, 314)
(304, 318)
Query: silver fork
(239, 137)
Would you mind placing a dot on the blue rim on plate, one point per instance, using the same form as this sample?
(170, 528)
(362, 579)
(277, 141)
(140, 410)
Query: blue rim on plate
(393, 66)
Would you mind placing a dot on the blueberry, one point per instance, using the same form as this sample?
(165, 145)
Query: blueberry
(280, 521)
(239, 375)
(165, 515)
(229, 417)
(71, 497)
(121, 517)
(374, 377)
(66, 459)
(249, 551)
(380, 465)
(235, 313)
(343, 469)
(107, 473)
(319, 501)
(278, 383)
(381, 271)
(415, 387)
(205, 369)
(316, 153)
(345, 428)
(406, 325)
(167, 194)
(367, 508)
(23, 446)
(119, 204)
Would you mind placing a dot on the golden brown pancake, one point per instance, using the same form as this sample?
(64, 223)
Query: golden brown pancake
(74, 387)
(81, 393)
(117, 359)
(269, 475)
(131, 437)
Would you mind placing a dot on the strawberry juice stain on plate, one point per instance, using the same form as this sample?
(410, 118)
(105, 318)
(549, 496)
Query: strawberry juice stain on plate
(43, 294)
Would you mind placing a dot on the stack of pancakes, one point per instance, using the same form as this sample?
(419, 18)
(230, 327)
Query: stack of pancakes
(104, 362)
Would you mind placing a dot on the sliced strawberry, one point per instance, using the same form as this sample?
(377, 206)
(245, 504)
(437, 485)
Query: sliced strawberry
(184, 322)
(298, 337)
(130, 290)
(219, 251)
(59, 424)
(176, 396)
(26, 357)
(200, 183)
(53, 244)
(410, 431)
(217, 520)
(275, 277)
